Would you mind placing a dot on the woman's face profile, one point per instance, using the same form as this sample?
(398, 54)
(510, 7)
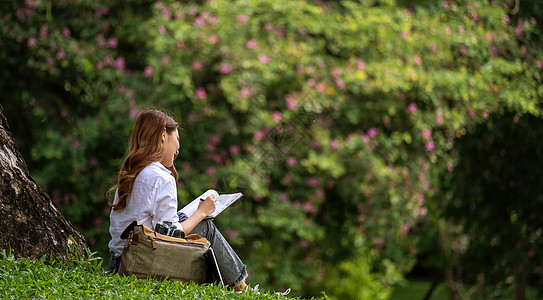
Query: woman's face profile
(171, 147)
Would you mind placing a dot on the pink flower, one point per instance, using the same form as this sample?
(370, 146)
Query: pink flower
(421, 199)
(405, 229)
(420, 211)
(403, 35)
(429, 146)
(334, 144)
(66, 31)
(76, 143)
(134, 110)
(292, 104)
(277, 116)
(119, 63)
(93, 162)
(226, 68)
(259, 135)
(111, 43)
(292, 161)
(471, 113)
(538, 64)
(201, 93)
(321, 87)
(474, 15)
(506, 20)
(309, 207)
(340, 84)
(448, 30)
(161, 29)
(245, 93)
(311, 82)
(463, 50)
(372, 132)
(178, 15)
(199, 22)
(242, 18)
(461, 30)
(213, 39)
(264, 59)
(379, 241)
(313, 182)
(51, 62)
(412, 108)
(32, 41)
(361, 65)
(426, 133)
(148, 71)
(319, 193)
(417, 59)
(210, 171)
(518, 31)
(43, 31)
(121, 89)
(283, 197)
(166, 14)
(235, 149)
(197, 65)
(445, 5)
(61, 54)
(251, 44)
(439, 117)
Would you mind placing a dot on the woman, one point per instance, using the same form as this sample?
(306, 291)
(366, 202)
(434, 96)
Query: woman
(146, 191)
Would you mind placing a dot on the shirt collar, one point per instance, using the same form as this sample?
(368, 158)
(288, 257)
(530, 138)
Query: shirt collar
(162, 167)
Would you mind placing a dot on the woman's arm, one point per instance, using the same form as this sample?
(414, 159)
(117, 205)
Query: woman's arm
(204, 209)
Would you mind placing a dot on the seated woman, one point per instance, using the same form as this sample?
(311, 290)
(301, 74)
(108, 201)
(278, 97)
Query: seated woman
(146, 191)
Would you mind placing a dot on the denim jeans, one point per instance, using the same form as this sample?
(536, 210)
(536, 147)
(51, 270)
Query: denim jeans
(231, 267)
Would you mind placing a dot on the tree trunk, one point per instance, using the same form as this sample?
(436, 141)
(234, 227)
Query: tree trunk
(31, 225)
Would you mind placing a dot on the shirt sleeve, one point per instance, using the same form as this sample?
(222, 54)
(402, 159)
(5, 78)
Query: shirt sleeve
(165, 208)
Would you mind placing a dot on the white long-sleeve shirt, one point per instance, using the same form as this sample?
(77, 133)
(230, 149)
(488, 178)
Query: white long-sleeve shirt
(153, 199)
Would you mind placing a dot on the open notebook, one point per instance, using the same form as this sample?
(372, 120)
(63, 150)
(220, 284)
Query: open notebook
(223, 201)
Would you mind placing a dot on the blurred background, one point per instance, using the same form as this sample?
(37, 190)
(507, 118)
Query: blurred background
(387, 149)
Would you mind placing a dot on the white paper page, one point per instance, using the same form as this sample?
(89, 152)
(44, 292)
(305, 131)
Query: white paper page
(223, 201)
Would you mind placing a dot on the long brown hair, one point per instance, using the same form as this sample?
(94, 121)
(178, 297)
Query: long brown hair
(145, 147)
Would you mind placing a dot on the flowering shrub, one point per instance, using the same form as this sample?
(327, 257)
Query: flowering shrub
(337, 121)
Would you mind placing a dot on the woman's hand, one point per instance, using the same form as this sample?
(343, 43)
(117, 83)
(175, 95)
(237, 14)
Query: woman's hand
(207, 206)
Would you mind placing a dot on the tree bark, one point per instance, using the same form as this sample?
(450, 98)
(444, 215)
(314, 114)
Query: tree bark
(31, 225)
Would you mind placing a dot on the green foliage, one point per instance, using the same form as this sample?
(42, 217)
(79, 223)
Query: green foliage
(337, 121)
(22, 278)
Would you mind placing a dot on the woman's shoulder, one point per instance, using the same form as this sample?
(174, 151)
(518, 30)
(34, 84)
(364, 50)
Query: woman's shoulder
(154, 173)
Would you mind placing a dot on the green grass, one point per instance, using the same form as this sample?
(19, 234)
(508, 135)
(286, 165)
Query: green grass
(77, 279)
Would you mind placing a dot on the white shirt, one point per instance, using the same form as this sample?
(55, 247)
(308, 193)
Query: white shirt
(153, 199)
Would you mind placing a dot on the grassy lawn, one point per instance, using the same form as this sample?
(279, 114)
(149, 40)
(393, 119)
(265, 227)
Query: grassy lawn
(25, 279)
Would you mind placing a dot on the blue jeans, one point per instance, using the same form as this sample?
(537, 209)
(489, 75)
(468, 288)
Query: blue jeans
(232, 269)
